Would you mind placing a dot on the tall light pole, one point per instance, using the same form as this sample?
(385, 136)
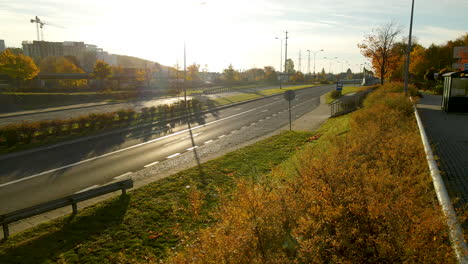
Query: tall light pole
(281, 58)
(408, 49)
(308, 62)
(286, 56)
(315, 53)
(330, 61)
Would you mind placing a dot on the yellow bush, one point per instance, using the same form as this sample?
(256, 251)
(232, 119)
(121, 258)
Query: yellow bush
(366, 199)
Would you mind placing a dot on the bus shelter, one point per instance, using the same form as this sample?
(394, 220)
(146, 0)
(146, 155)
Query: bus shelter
(455, 96)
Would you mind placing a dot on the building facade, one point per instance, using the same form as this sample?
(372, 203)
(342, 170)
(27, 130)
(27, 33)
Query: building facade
(460, 54)
(2, 45)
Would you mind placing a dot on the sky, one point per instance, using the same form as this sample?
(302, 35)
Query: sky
(238, 32)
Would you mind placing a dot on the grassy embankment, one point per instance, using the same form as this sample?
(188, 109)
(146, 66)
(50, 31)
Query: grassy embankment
(365, 198)
(146, 224)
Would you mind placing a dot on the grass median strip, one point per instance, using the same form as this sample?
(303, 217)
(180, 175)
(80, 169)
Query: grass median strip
(144, 225)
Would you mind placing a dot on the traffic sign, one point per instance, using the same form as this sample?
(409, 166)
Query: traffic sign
(289, 95)
(339, 86)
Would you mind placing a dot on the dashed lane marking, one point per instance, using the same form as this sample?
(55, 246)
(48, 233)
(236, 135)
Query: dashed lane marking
(151, 164)
(173, 155)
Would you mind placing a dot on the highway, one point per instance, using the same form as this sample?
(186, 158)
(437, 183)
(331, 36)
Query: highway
(42, 176)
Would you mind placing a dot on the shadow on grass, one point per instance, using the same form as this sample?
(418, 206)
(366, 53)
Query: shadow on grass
(71, 231)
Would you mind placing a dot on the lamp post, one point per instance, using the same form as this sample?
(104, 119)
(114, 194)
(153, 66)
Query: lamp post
(408, 49)
(281, 59)
(315, 53)
(330, 61)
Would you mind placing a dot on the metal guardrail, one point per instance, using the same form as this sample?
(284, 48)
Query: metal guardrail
(217, 90)
(343, 105)
(72, 200)
(455, 231)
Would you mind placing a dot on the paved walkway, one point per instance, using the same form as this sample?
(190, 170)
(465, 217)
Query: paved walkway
(448, 133)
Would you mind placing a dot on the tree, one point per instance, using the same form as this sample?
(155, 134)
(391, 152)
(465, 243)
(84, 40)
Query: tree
(230, 74)
(290, 66)
(193, 72)
(270, 74)
(17, 66)
(419, 63)
(73, 60)
(378, 47)
(101, 70)
(62, 65)
(297, 77)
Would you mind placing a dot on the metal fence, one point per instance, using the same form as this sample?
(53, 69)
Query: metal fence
(348, 104)
(72, 200)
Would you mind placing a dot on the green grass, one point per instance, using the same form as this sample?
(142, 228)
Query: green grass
(253, 95)
(148, 222)
(346, 90)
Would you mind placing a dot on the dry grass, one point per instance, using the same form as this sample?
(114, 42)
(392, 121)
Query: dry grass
(368, 198)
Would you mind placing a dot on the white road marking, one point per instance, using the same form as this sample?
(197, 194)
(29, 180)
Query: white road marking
(260, 120)
(243, 127)
(253, 123)
(137, 145)
(234, 131)
(192, 148)
(89, 188)
(268, 117)
(221, 136)
(209, 141)
(126, 174)
(237, 109)
(151, 164)
(173, 155)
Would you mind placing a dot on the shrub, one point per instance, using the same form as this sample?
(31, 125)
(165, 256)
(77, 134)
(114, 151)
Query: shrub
(11, 135)
(145, 113)
(335, 94)
(367, 198)
(439, 89)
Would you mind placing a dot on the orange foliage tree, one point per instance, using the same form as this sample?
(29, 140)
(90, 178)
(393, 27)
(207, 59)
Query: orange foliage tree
(378, 47)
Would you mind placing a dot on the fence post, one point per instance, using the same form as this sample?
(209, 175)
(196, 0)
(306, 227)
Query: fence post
(6, 231)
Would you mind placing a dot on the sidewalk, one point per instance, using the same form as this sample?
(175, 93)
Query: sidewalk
(448, 133)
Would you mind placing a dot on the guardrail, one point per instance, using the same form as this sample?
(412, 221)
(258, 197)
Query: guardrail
(344, 105)
(455, 231)
(72, 200)
(217, 90)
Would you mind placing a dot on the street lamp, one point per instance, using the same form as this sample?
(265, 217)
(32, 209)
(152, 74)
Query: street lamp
(281, 58)
(330, 61)
(315, 53)
(408, 49)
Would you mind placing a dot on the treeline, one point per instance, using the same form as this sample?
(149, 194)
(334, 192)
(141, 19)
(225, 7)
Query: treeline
(365, 197)
(14, 135)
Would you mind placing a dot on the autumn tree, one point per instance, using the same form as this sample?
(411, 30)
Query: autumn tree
(101, 70)
(270, 74)
(17, 66)
(193, 72)
(297, 77)
(378, 47)
(290, 66)
(230, 74)
(62, 65)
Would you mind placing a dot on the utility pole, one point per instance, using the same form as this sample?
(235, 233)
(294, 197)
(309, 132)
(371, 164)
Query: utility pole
(185, 77)
(286, 57)
(408, 49)
(308, 62)
(299, 66)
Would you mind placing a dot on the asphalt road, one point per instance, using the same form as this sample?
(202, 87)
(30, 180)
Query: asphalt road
(42, 176)
(44, 114)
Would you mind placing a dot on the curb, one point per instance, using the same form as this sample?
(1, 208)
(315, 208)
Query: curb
(73, 141)
(455, 231)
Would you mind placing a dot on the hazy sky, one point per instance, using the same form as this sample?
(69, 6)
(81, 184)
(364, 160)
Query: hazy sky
(220, 32)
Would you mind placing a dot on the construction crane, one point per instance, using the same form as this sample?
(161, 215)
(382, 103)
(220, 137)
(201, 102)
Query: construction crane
(40, 25)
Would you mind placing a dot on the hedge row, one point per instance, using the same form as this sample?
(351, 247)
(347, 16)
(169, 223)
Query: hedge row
(29, 132)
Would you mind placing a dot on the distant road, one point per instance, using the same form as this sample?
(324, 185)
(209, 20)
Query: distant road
(37, 177)
(74, 112)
